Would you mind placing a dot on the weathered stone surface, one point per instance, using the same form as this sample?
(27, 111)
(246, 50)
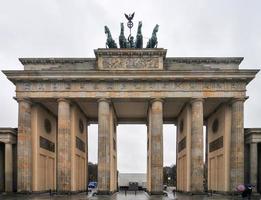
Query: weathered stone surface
(64, 146)
(8, 157)
(8, 167)
(24, 147)
(252, 157)
(125, 76)
(125, 59)
(197, 145)
(253, 164)
(237, 144)
(218, 152)
(184, 153)
(125, 89)
(156, 149)
(2, 167)
(106, 163)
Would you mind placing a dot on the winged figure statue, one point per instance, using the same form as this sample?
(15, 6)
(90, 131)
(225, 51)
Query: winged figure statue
(130, 16)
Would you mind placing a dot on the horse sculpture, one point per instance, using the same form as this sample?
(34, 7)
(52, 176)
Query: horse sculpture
(139, 37)
(110, 43)
(153, 41)
(122, 39)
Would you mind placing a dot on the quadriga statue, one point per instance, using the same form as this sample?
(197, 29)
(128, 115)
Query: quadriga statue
(122, 38)
(139, 37)
(110, 43)
(153, 41)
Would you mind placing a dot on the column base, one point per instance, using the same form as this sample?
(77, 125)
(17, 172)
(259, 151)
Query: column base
(68, 192)
(105, 192)
(191, 192)
(155, 192)
(24, 192)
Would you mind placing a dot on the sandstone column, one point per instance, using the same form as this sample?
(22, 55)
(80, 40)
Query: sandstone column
(24, 147)
(87, 156)
(197, 145)
(8, 167)
(253, 164)
(237, 144)
(148, 152)
(64, 147)
(103, 146)
(156, 142)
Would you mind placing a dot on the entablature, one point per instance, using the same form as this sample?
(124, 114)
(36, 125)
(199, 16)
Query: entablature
(211, 75)
(8, 135)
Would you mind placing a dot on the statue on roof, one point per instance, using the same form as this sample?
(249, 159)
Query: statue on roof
(130, 16)
(139, 37)
(122, 38)
(110, 43)
(130, 42)
(153, 41)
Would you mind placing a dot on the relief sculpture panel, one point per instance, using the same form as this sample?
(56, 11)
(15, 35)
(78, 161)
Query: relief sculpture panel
(150, 59)
(134, 63)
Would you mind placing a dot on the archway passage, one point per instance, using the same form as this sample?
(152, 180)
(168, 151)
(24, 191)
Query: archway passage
(132, 156)
(132, 148)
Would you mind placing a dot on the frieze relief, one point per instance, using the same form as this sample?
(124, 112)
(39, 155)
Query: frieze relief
(122, 63)
(204, 86)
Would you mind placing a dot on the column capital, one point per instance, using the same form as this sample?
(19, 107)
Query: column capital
(23, 99)
(64, 100)
(156, 99)
(196, 100)
(10, 142)
(236, 99)
(104, 99)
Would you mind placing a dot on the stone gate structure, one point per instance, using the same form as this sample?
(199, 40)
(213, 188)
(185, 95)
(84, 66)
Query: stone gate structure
(59, 97)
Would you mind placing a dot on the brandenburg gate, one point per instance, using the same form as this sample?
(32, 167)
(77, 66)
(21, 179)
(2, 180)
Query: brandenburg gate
(59, 97)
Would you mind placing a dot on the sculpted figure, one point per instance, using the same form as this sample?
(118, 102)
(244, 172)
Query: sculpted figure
(130, 43)
(110, 43)
(122, 39)
(139, 37)
(153, 41)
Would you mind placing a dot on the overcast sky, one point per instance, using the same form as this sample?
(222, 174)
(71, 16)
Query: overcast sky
(61, 28)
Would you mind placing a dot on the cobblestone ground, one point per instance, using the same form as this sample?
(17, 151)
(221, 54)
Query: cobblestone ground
(118, 196)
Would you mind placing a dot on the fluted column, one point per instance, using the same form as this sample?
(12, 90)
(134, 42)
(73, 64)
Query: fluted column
(8, 167)
(197, 170)
(156, 150)
(253, 164)
(237, 143)
(64, 147)
(24, 147)
(103, 146)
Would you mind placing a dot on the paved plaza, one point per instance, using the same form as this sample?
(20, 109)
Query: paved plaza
(117, 196)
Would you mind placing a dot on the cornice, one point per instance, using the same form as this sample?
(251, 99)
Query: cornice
(130, 52)
(232, 75)
(249, 131)
(8, 130)
(187, 60)
(203, 60)
(36, 61)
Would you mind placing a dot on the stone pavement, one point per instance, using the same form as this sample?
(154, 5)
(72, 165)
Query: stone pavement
(117, 196)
